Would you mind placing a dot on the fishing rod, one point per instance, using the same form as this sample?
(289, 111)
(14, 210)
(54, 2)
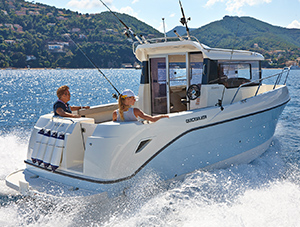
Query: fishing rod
(99, 70)
(184, 21)
(127, 28)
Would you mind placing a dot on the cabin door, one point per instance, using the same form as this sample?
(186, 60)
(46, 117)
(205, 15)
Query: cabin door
(170, 77)
(168, 83)
(158, 72)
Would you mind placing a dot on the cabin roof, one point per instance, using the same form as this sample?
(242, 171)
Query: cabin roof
(144, 51)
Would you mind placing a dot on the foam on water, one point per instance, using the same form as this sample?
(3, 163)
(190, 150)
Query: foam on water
(13, 150)
(263, 193)
(276, 205)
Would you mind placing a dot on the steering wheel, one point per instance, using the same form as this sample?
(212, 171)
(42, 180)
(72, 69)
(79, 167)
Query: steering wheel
(193, 92)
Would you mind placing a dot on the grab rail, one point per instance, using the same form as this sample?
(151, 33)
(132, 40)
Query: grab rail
(278, 79)
(164, 40)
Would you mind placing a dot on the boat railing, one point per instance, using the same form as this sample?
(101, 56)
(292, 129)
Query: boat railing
(279, 76)
(165, 40)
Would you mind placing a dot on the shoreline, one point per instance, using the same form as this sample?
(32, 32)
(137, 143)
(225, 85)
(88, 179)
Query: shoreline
(87, 68)
(63, 68)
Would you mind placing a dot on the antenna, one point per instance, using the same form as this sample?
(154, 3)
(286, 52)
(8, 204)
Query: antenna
(234, 41)
(163, 19)
(127, 28)
(184, 21)
(232, 49)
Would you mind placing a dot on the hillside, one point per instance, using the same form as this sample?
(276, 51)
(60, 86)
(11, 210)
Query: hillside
(244, 31)
(280, 46)
(181, 30)
(277, 44)
(37, 35)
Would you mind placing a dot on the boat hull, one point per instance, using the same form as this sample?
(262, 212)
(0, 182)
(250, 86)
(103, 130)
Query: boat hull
(34, 180)
(221, 145)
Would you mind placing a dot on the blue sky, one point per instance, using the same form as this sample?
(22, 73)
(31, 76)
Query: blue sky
(276, 12)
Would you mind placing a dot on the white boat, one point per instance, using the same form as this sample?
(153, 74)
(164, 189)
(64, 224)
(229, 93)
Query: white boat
(294, 67)
(221, 113)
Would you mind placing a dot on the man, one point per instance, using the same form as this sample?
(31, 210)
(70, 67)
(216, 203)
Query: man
(61, 107)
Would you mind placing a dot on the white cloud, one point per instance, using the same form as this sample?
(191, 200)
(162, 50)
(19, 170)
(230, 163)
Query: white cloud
(212, 2)
(234, 6)
(172, 15)
(135, 1)
(294, 24)
(87, 4)
(128, 10)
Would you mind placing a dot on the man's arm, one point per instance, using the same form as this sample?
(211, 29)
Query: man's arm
(62, 113)
(73, 108)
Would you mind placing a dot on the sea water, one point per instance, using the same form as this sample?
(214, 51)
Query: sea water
(265, 192)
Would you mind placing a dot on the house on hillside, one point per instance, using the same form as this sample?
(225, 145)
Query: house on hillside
(9, 41)
(18, 27)
(9, 26)
(21, 13)
(82, 36)
(33, 12)
(11, 5)
(61, 18)
(63, 43)
(55, 47)
(75, 30)
(30, 58)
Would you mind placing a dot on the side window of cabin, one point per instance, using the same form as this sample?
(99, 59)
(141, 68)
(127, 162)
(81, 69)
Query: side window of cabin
(233, 74)
(256, 70)
(235, 70)
(210, 72)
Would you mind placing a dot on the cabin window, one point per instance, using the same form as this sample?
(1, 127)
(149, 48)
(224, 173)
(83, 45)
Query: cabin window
(233, 74)
(178, 82)
(196, 68)
(177, 70)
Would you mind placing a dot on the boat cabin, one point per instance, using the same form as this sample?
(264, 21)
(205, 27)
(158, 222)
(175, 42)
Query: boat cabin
(170, 68)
